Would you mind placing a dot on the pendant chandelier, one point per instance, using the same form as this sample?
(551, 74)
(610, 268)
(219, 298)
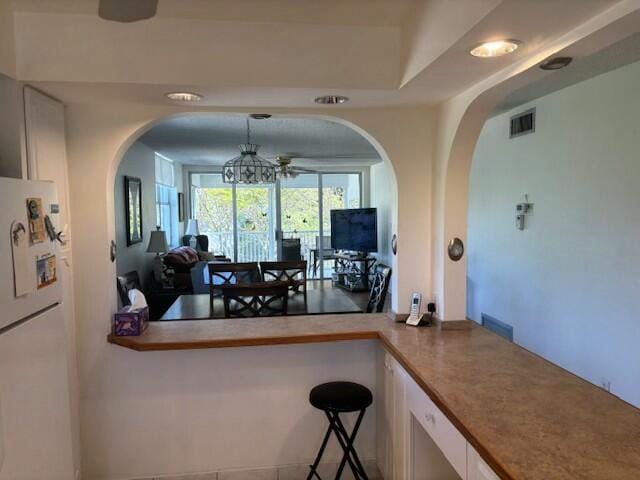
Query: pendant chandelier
(248, 167)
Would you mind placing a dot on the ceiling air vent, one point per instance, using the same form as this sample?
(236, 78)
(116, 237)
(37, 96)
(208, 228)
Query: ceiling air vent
(523, 123)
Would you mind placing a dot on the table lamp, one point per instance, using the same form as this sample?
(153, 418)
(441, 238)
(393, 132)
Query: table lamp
(158, 245)
(193, 230)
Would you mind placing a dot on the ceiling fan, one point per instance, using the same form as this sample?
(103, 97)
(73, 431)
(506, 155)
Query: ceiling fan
(284, 169)
(127, 11)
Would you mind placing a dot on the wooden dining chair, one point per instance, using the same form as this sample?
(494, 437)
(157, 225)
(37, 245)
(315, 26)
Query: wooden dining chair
(292, 272)
(379, 289)
(225, 273)
(255, 300)
(291, 250)
(126, 282)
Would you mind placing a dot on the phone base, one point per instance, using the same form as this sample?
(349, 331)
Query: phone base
(426, 320)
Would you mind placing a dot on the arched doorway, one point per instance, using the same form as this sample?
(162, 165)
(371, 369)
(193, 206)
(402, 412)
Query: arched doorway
(461, 121)
(250, 223)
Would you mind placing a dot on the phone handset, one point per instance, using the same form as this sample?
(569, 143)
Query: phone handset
(414, 313)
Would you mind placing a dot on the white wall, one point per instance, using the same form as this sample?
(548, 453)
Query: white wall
(459, 121)
(139, 161)
(12, 132)
(384, 198)
(80, 47)
(97, 137)
(208, 410)
(7, 39)
(568, 283)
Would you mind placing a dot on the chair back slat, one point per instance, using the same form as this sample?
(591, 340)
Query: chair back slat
(292, 272)
(379, 289)
(255, 300)
(126, 282)
(225, 273)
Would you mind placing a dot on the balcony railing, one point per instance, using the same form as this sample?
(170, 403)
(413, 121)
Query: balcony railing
(259, 246)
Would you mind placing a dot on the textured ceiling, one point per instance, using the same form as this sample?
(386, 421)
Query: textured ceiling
(615, 56)
(214, 139)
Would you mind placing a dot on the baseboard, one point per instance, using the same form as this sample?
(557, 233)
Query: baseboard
(282, 472)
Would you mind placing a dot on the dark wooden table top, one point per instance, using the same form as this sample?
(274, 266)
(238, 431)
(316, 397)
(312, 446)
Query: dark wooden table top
(319, 301)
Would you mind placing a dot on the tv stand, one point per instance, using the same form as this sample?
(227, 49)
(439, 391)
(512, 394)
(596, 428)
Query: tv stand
(353, 271)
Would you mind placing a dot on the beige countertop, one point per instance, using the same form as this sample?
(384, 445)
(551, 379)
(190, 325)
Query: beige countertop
(528, 418)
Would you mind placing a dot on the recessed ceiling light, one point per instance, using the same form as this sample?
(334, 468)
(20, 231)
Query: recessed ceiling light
(184, 96)
(331, 99)
(555, 63)
(495, 49)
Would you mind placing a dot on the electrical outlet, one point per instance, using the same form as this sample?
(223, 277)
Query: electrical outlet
(606, 385)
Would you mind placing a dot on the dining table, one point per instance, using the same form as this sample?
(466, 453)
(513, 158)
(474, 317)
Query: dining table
(319, 301)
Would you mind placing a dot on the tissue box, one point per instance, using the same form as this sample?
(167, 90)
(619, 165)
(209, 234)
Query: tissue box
(130, 322)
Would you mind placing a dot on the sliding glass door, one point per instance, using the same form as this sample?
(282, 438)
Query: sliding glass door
(212, 206)
(339, 191)
(299, 216)
(287, 220)
(255, 223)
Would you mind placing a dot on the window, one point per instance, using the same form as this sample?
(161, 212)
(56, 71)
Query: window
(167, 199)
(245, 222)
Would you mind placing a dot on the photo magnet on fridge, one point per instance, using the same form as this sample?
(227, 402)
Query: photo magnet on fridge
(37, 231)
(46, 270)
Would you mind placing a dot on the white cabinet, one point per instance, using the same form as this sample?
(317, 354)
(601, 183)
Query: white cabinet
(448, 439)
(416, 441)
(477, 469)
(392, 416)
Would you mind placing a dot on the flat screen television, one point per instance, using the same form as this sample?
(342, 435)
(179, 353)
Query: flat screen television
(354, 229)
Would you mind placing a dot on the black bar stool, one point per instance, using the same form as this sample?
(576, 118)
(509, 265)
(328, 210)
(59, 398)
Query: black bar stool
(334, 398)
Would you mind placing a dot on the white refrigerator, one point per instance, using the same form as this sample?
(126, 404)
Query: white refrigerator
(35, 416)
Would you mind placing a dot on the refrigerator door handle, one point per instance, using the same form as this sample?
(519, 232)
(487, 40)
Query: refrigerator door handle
(62, 235)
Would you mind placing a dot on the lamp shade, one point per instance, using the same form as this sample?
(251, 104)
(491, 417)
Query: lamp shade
(158, 242)
(192, 227)
(248, 168)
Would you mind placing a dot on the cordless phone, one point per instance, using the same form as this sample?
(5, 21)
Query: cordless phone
(414, 314)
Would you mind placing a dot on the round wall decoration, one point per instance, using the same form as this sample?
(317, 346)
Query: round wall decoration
(455, 249)
(394, 244)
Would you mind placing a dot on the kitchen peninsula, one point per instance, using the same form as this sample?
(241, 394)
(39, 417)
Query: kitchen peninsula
(525, 417)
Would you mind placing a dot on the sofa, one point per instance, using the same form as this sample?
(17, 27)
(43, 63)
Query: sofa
(189, 264)
(181, 260)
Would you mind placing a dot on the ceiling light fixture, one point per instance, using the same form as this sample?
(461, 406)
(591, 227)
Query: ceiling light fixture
(248, 167)
(496, 48)
(331, 99)
(184, 96)
(555, 63)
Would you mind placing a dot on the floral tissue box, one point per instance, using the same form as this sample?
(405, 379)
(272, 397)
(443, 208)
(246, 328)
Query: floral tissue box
(130, 322)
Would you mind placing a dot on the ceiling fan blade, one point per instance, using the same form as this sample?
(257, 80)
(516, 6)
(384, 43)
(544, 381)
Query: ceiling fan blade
(330, 156)
(301, 169)
(127, 11)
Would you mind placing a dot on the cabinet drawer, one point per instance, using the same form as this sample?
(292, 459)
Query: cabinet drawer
(477, 469)
(448, 439)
